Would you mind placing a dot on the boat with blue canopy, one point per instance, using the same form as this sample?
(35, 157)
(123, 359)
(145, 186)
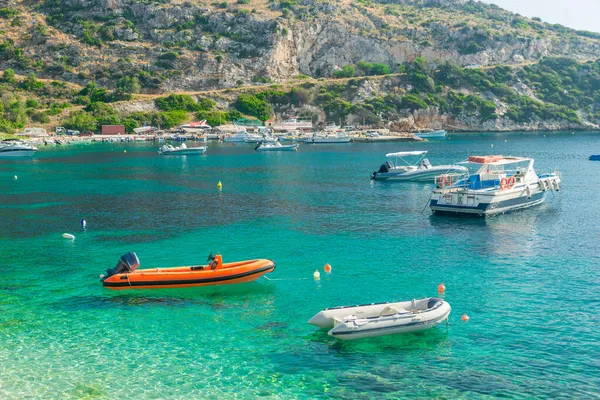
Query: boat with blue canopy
(493, 185)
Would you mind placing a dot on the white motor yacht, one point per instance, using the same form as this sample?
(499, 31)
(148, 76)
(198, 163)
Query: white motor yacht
(181, 150)
(413, 166)
(10, 148)
(493, 185)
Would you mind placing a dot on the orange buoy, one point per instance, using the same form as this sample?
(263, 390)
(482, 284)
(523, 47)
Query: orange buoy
(464, 318)
(316, 275)
(441, 288)
(327, 268)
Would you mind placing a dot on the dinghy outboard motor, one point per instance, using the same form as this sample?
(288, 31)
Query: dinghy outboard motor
(385, 167)
(128, 262)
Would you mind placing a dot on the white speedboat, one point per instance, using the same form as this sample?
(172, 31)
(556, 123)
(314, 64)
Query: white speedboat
(16, 149)
(181, 150)
(379, 319)
(337, 137)
(413, 166)
(493, 185)
(276, 146)
(431, 134)
(254, 138)
(237, 137)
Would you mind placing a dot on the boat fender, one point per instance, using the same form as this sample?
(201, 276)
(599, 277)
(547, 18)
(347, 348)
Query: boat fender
(441, 288)
(68, 236)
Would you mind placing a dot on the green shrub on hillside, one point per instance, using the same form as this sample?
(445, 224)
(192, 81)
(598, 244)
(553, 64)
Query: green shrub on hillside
(346, 72)
(183, 102)
(252, 105)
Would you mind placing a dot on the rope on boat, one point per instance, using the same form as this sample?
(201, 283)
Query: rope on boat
(426, 204)
(284, 279)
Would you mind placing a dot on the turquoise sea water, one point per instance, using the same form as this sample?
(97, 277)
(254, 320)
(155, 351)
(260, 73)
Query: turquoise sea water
(528, 280)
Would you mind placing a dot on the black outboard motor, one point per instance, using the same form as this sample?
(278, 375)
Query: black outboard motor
(385, 167)
(128, 262)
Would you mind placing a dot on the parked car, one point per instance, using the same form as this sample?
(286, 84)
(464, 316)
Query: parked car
(372, 133)
(88, 133)
(61, 131)
(72, 132)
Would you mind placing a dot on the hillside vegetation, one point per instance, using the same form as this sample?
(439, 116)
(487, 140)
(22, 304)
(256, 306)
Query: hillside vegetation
(557, 91)
(82, 64)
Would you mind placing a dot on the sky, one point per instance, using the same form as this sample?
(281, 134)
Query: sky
(577, 14)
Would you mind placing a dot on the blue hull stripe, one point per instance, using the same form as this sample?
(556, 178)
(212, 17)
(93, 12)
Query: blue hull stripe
(519, 201)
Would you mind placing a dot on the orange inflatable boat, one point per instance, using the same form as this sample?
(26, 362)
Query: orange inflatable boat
(126, 275)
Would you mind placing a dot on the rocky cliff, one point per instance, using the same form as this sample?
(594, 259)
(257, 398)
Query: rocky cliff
(172, 45)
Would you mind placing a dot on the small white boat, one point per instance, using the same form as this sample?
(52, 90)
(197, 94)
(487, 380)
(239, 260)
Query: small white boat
(430, 134)
(337, 137)
(276, 146)
(380, 319)
(16, 149)
(239, 136)
(181, 150)
(412, 166)
(254, 138)
(493, 185)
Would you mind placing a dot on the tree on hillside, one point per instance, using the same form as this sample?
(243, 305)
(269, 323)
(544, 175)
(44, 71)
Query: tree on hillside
(81, 121)
(251, 105)
(179, 102)
(9, 76)
(412, 102)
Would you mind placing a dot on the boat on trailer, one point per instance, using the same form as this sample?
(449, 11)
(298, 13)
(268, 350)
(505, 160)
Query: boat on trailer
(493, 185)
(126, 274)
(380, 319)
(412, 166)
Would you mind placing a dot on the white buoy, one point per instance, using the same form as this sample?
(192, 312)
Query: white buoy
(68, 236)
(16, 177)
(316, 275)
(83, 223)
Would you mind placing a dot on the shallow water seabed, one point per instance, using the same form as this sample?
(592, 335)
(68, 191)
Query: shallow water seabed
(527, 279)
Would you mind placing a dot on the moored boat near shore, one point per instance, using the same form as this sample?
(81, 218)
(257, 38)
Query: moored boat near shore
(16, 148)
(276, 146)
(430, 134)
(181, 150)
(399, 167)
(328, 138)
(494, 184)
